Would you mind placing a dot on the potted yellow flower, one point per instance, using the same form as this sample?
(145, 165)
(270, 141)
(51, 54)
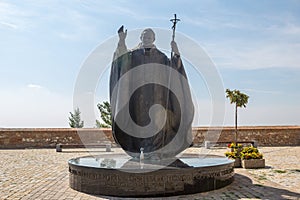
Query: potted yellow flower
(234, 146)
(235, 153)
(252, 158)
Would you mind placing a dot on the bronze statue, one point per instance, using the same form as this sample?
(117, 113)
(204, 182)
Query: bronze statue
(150, 115)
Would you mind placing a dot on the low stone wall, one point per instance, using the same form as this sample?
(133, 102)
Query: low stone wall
(263, 135)
(49, 137)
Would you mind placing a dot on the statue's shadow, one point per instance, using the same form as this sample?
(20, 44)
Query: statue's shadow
(242, 187)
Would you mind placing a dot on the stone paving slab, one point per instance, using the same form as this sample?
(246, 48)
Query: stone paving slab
(43, 174)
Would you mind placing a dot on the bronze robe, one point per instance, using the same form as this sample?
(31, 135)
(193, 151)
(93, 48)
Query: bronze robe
(180, 110)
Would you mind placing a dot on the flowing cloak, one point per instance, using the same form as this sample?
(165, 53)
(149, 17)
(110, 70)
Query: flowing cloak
(140, 80)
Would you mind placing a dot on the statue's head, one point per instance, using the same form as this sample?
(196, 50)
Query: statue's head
(147, 37)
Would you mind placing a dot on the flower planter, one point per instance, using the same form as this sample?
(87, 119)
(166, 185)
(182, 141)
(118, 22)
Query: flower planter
(253, 163)
(237, 163)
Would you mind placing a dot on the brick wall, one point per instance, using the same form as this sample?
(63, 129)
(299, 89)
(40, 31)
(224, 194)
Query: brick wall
(49, 137)
(263, 135)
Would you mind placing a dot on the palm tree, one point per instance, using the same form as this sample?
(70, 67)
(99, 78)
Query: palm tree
(240, 100)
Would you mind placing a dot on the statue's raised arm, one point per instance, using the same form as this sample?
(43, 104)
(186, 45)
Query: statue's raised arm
(122, 34)
(174, 48)
(121, 49)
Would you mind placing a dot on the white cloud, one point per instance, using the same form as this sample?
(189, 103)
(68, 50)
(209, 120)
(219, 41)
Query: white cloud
(34, 106)
(262, 91)
(254, 114)
(14, 17)
(9, 25)
(270, 55)
(290, 29)
(251, 41)
(255, 55)
(271, 114)
(34, 86)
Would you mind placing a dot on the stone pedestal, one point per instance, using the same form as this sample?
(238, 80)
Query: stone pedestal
(119, 175)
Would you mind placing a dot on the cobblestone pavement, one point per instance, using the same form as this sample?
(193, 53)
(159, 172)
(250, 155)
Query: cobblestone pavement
(43, 174)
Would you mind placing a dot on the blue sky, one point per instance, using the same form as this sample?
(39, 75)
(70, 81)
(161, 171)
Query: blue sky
(253, 44)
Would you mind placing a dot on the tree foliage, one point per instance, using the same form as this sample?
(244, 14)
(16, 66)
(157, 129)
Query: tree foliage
(105, 114)
(237, 97)
(240, 100)
(75, 120)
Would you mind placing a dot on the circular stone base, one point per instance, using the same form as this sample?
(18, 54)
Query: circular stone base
(121, 175)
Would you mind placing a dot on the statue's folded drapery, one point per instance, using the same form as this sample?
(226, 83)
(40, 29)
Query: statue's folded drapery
(139, 80)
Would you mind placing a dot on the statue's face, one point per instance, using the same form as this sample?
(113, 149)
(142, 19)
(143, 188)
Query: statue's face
(147, 38)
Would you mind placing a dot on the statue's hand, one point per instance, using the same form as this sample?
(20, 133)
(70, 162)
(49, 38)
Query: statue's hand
(174, 48)
(122, 34)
